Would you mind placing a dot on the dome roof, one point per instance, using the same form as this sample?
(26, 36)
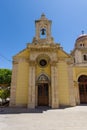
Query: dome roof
(81, 41)
(82, 37)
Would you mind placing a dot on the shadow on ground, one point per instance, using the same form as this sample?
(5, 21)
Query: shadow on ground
(9, 110)
(41, 109)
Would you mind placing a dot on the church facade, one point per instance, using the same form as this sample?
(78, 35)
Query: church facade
(44, 74)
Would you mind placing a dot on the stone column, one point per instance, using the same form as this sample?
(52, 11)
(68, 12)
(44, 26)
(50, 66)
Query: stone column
(71, 86)
(50, 97)
(31, 92)
(76, 89)
(14, 84)
(36, 95)
(54, 86)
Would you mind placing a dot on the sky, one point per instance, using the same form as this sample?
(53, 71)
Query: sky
(17, 24)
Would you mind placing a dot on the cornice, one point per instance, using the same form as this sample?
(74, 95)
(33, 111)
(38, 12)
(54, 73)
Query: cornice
(32, 63)
(20, 59)
(53, 63)
(44, 47)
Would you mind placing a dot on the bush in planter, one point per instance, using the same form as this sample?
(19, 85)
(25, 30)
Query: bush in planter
(4, 94)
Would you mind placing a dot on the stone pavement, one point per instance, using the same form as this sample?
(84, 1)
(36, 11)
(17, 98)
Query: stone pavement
(73, 118)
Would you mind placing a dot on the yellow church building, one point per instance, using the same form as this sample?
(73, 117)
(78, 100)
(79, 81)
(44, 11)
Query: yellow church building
(44, 74)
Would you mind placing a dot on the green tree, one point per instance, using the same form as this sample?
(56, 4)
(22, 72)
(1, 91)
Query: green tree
(5, 81)
(5, 76)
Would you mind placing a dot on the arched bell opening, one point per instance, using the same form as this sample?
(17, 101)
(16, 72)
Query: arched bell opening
(83, 88)
(43, 33)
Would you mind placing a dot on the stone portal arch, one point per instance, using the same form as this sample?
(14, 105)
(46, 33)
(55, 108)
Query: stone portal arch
(43, 90)
(43, 78)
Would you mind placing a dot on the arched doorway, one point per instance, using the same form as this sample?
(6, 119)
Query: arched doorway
(83, 88)
(43, 90)
(43, 94)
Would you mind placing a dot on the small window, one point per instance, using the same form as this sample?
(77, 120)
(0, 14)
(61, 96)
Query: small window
(85, 57)
(43, 62)
(74, 60)
(81, 45)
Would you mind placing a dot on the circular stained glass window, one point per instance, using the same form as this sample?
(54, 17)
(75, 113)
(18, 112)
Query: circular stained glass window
(43, 62)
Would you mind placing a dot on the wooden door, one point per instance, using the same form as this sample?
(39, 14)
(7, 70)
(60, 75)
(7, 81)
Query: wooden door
(83, 92)
(43, 94)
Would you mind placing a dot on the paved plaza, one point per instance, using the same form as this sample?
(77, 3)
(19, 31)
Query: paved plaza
(73, 118)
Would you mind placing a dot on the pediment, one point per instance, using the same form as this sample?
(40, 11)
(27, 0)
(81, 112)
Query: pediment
(63, 54)
(23, 53)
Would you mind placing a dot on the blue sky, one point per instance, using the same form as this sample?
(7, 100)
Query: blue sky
(17, 27)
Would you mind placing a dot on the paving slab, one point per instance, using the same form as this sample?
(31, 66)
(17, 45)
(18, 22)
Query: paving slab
(73, 118)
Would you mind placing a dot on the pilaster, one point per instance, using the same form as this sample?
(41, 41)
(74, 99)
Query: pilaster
(31, 91)
(14, 84)
(54, 86)
(71, 86)
(76, 89)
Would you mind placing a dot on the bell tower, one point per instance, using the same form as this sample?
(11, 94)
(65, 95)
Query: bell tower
(43, 30)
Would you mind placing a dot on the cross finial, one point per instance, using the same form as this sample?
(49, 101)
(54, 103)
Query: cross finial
(82, 31)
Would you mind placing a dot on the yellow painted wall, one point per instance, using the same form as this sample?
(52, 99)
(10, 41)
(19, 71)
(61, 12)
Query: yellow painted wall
(78, 71)
(22, 84)
(24, 53)
(63, 84)
(62, 54)
(23, 81)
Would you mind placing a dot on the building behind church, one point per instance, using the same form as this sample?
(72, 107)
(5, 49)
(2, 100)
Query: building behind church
(44, 74)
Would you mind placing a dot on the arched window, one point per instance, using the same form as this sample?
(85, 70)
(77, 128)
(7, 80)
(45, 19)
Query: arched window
(85, 57)
(74, 60)
(82, 45)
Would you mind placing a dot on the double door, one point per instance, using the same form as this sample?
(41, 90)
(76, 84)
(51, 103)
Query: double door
(43, 94)
(83, 92)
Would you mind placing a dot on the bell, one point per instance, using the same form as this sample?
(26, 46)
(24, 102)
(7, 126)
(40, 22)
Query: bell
(43, 31)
